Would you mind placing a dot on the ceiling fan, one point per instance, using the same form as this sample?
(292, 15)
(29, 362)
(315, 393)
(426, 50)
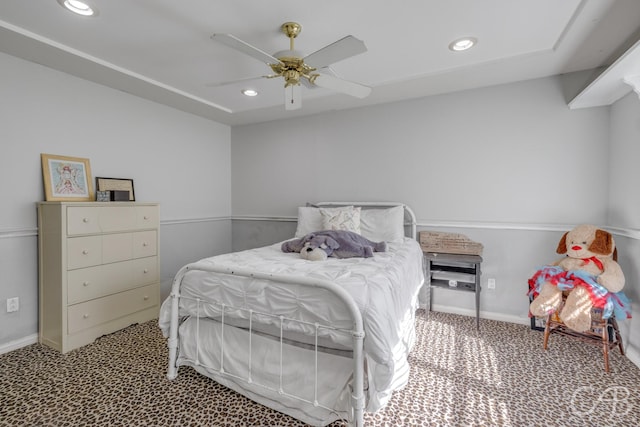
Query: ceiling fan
(296, 68)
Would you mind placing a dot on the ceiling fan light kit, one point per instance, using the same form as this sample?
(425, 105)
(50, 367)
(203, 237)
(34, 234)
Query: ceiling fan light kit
(296, 68)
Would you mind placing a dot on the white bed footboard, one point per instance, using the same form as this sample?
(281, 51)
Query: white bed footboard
(357, 403)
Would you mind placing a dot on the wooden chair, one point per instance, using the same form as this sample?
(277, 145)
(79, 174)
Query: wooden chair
(603, 332)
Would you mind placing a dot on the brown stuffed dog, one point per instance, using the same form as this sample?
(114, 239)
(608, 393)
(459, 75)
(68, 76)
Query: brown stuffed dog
(589, 250)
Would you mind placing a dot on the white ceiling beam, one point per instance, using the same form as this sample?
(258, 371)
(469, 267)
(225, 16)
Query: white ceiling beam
(613, 83)
(634, 82)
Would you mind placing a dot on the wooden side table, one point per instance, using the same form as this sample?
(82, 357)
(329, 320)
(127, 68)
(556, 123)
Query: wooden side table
(455, 272)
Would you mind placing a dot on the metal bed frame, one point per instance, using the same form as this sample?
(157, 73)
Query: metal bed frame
(356, 331)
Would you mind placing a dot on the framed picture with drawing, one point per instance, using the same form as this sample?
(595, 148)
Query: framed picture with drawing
(66, 178)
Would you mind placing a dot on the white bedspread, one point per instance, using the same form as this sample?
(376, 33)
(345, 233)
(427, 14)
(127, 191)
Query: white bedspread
(385, 289)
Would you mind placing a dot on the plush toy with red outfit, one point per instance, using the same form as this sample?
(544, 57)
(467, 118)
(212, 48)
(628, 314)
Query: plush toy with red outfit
(589, 273)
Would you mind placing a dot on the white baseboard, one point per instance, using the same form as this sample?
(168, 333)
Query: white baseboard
(501, 317)
(633, 355)
(19, 343)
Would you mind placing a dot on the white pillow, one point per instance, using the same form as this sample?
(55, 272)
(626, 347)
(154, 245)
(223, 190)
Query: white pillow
(310, 219)
(383, 224)
(343, 219)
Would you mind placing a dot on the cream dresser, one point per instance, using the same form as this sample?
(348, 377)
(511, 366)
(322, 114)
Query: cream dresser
(98, 269)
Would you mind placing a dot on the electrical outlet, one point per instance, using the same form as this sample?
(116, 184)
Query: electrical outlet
(13, 304)
(491, 283)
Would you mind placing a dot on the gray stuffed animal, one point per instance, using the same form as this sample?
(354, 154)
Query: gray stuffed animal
(333, 243)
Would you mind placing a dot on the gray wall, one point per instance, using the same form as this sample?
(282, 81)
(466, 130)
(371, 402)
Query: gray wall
(510, 166)
(624, 174)
(177, 159)
(499, 154)
(624, 206)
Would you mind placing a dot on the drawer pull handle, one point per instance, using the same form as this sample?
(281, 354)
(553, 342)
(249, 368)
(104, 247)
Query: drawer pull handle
(146, 297)
(145, 244)
(145, 271)
(85, 316)
(85, 219)
(146, 217)
(85, 284)
(85, 252)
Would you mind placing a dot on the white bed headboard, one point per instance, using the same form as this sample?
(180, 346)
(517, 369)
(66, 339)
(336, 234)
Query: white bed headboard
(410, 222)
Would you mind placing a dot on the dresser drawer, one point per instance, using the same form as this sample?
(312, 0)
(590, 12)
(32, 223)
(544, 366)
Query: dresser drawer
(85, 284)
(145, 270)
(95, 312)
(147, 217)
(145, 243)
(84, 252)
(109, 248)
(83, 220)
(108, 219)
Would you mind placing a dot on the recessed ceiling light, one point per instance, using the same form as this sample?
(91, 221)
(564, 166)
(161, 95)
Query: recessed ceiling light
(79, 7)
(462, 44)
(250, 92)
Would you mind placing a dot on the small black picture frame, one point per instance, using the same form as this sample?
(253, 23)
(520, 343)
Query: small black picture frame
(113, 184)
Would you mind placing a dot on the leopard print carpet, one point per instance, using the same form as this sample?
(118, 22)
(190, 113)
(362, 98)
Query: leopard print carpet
(499, 376)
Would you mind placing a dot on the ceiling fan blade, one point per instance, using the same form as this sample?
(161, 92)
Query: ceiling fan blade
(292, 97)
(325, 70)
(339, 85)
(342, 49)
(244, 47)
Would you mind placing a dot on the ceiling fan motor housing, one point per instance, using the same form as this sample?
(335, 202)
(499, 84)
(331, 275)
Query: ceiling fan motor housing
(291, 66)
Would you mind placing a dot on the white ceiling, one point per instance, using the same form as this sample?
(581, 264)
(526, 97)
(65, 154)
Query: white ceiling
(161, 49)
